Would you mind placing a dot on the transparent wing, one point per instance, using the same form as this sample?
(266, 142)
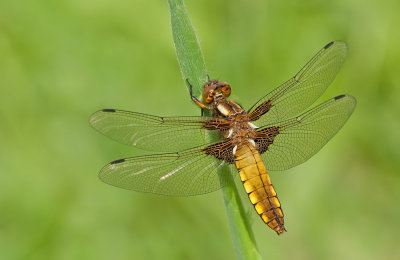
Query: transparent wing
(298, 93)
(294, 141)
(186, 173)
(153, 133)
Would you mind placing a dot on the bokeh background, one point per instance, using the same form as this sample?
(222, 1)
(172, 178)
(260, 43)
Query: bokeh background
(62, 60)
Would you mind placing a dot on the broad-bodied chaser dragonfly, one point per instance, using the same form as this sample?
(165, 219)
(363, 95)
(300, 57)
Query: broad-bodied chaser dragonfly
(271, 135)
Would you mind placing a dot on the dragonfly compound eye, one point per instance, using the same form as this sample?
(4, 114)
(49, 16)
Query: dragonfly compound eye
(209, 98)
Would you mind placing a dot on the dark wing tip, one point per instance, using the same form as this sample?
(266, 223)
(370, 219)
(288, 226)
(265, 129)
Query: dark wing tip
(339, 97)
(117, 161)
(108, 110)
(328, 45)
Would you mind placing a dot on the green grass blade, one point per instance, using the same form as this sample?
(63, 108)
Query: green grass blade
(242, 234)
(187, 47)
(193, 68)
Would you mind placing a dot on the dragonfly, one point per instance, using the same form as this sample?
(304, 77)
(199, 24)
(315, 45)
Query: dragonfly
(274, 134)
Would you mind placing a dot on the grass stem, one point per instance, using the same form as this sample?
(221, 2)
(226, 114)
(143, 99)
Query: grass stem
(192, 65)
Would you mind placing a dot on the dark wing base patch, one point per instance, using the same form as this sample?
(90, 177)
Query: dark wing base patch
(222, 150)
(265, 137)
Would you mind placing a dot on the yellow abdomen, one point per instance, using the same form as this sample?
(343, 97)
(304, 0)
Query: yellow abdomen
(258, 186)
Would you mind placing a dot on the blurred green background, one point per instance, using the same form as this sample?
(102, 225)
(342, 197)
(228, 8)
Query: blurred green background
(62, 60)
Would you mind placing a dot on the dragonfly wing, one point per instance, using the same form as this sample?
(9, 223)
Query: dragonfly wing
(294, 141)
(191, 172)
(298, 93)
(153, 133)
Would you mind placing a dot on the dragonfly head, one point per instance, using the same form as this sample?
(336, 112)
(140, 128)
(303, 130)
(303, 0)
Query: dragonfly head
(214, 89)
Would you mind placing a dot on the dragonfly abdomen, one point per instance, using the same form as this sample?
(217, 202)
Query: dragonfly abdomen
(258, 186)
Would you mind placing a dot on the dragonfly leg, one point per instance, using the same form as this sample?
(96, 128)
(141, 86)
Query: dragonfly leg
(194, 99)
